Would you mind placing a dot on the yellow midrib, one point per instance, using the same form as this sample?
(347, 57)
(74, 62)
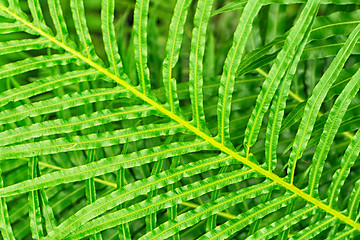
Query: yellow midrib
(187, 125)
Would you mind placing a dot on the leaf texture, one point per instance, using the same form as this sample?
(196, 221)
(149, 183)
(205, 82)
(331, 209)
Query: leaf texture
(149, 119)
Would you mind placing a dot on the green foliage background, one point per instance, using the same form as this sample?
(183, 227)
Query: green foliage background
(179, 119)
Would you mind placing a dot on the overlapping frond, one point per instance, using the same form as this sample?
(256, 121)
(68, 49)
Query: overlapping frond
(88, 147)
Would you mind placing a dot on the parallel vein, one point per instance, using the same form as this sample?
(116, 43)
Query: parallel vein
(189, 126)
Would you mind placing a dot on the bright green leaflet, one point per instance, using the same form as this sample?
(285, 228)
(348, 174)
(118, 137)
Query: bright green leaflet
(91, 146)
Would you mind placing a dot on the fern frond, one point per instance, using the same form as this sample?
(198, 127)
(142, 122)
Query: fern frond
(29, 64)
(141, 209)
(173, 45)
(200, 213)
(86, 45)
(278, 107)
(169, 198)
(58, 20)
(242, 220)
(108, 165)
(23, 45)
(340, 175)
(91, 189)
(144, 120)
(278, 70)
(284, 223)
(314, 231)
(5, 226)
(198, 39)
(44, 85)
(91, 141)
(140, 43)
(332, 124)
(313, 104)
(49, 217)
(231, 64)
(34, 204)
(73, 124)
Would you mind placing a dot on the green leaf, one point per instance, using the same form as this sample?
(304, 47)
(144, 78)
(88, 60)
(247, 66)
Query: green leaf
(141, 187)
(24, 45)
(44, 85)
(90, 187)
(73, 124)
(313, 231)
(140, 43)
(211, 222)
(60, 103)
(293, 117)
(58, 20)
(332, 125)
(29, 64)
(324, 38)
(198, 42)
(36, 14)
(354, 200)
(278, 107)
(341, 174)
(338, 23)
(176, 32)
(5, 226)
(344, 234)
(163, 201)
(230, 227)
(236, 5)
(314, 102)
(341, 81)
(124, 229)
(107, 165)
(50, 221)
(283, 223)
(284, 59)
(231, 64)
(239, 4)
(86, 45)
(91, 141)
(34, 204)
(327, 48)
